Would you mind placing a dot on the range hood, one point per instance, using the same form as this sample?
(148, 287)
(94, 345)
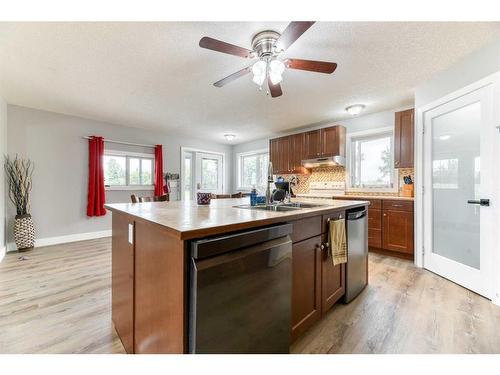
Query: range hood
(331, 161)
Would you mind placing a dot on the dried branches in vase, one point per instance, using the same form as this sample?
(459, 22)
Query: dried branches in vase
(19, 174)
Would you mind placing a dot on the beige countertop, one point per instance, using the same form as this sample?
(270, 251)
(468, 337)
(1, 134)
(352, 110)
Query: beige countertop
(361, 196)
(188, 220)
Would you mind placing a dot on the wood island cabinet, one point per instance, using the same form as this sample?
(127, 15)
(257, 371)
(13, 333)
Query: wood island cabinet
(403, 139)
(306, 284)
(316, 284)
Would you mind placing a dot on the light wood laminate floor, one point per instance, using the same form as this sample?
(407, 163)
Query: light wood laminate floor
(59, 301)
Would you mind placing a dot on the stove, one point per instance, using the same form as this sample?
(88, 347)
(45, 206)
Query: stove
(324, 189)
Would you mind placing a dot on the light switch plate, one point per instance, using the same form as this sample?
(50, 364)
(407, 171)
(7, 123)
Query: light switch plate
(131, 234)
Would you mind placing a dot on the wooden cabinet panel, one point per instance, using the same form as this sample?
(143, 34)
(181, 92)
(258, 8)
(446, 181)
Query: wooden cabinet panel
(374, 227)
(403, 139)
(297, 153)
(279, 153)
(398, 205)
(306, 228)
(160, 300)
(398, 231)
(122, 290)
(274, 157)
(333, 141)
(313, 144)
(306, 285)
(284, 154)
(332, 280)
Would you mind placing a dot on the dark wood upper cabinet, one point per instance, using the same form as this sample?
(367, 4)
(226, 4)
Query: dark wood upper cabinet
(403, 139)
(279, 153)
(333, 141)
(297, 153)
(287, 153)
(284, 150)
(313, 144)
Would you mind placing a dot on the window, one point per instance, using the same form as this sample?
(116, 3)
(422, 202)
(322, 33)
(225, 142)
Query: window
(128, 170)
(371, 161)
(252, 169)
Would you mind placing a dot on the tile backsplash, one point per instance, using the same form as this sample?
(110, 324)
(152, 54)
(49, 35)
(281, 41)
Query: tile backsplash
(338, 174)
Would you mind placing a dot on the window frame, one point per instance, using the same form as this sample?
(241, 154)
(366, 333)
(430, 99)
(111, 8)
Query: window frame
(239, 159)
(131, 155)
(349, 161)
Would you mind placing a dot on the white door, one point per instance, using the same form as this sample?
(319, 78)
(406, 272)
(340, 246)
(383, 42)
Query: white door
(208, 173)
(201, 172)
(458, 174)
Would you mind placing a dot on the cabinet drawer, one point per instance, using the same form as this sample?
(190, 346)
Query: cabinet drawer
(332, 216)
(306, 228)
(375, 238)
(374, 218)
(374, 203)
(401, 205)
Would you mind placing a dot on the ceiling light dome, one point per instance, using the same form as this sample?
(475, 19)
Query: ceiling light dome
(229, 137)
(355, 109)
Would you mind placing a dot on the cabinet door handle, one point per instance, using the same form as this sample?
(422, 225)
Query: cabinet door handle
(385, 214)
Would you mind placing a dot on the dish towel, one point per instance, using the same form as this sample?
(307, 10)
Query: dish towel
(338, 244)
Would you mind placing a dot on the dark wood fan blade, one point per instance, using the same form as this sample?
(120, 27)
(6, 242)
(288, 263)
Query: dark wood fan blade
(275, 90)
(292, 32)
(219, 46)
(232, 77)
(311, 65)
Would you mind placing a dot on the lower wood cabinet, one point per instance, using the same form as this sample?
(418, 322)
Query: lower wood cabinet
(332, 280)
(316, 284)
(398, 231)
(306, 285)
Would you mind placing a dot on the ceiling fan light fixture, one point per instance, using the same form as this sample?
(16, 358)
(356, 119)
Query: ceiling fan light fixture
(259, 79)
(229, 137)
(355, 109)
(259, 70)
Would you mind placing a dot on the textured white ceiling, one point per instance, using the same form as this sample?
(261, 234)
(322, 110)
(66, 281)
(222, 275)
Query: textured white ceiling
(154, 75)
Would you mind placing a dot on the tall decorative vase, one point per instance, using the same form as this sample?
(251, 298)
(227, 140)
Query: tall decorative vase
(24, 232)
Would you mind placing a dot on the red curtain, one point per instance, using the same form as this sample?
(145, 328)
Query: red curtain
(96, 195)
(158, 170)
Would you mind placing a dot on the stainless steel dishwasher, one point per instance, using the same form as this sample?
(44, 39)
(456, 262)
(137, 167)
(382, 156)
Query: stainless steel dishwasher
(240, 292)
(357, 253)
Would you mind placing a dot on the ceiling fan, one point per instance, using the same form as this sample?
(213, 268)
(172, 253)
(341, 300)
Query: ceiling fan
(267, 47)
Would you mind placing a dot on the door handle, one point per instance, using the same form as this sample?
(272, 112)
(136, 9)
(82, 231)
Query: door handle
(481, 202)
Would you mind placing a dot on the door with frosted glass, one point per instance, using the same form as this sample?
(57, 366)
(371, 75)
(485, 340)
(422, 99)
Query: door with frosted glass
(208, 172)
(458, 219)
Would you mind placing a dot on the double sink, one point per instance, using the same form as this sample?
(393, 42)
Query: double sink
(281, 206)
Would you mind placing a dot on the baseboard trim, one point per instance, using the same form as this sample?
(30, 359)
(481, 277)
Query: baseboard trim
(11, 246)
(2, 252)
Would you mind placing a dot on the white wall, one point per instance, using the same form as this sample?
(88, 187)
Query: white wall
(55, 143)
(3, 150)
(470, 69)
(355, 124)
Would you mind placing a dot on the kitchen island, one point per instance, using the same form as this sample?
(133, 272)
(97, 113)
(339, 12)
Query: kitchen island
(150, 264)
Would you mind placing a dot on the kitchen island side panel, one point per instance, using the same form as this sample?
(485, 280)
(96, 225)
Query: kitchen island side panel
(160, 290)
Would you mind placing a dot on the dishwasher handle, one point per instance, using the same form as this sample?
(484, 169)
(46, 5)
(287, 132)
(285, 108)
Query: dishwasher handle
(356, 215)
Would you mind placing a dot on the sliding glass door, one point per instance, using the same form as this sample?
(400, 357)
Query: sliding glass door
(201, 172)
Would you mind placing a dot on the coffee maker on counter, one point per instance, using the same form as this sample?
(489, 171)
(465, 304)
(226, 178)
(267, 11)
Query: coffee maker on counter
(283, 191)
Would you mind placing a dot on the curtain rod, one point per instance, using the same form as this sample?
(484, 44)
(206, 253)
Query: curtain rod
(124, 143)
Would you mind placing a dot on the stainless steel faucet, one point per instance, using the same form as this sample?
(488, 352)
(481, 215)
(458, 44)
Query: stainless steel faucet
(291, 181)
(270, 180)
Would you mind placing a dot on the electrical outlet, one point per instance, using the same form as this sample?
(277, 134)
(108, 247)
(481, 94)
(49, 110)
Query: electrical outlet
(131, 234)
